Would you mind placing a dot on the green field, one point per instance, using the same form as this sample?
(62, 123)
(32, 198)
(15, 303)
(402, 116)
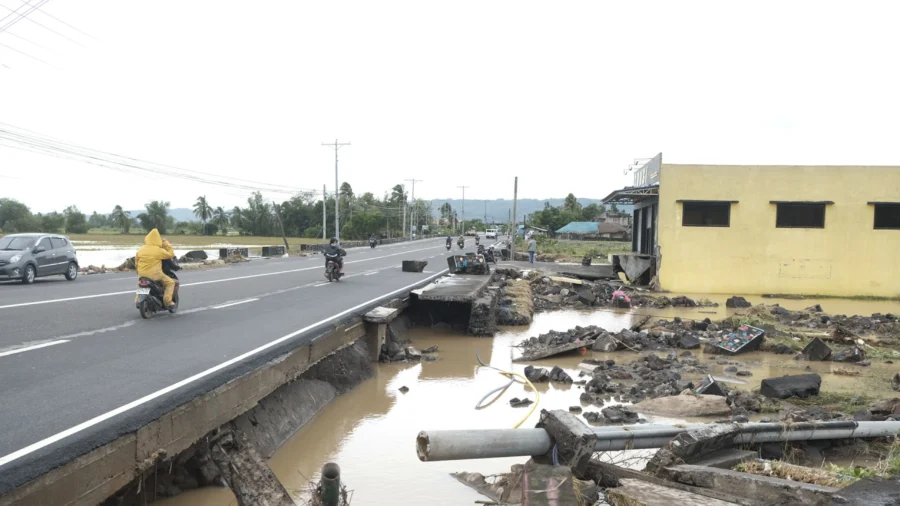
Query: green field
(199, 241)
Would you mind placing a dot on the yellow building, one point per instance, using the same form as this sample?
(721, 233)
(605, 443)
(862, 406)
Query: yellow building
(749, 229)
(778, 229)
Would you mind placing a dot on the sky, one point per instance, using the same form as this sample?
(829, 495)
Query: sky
(564, 95)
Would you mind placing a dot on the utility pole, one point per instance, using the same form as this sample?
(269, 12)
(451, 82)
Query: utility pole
(324, 214)
(337, 227)
(512, 245)
(485, 212)
(412, 213)
(463, 227)
(277, 209)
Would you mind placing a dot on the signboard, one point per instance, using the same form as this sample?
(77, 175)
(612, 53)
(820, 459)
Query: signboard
(648, 174)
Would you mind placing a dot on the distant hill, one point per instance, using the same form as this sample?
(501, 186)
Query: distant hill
(499, 210)
(180, 214)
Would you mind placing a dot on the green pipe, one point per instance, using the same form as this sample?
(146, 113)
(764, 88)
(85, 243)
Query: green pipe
(330, 485)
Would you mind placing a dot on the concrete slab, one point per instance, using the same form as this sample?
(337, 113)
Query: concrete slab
(382, 314)
(764, 488)
(726, 459)
(548, 486)
(868, 492)
(641, 493)
(455, 288)
(591, 272)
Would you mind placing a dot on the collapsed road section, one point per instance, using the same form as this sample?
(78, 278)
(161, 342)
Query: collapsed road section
(241, 410)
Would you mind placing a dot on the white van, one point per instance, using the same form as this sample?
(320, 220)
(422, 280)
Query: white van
(491, 233)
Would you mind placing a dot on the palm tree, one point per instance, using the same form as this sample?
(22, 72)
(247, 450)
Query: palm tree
(203, 210)
(237, 218)
(220, 218)
(121, 218)
(156, 216)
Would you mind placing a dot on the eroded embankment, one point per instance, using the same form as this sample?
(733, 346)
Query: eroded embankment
(267, 425)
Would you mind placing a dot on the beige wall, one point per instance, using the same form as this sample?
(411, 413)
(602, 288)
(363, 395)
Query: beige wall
(752, 256)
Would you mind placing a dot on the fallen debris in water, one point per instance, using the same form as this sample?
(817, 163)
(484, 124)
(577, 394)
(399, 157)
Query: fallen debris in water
(520, 403)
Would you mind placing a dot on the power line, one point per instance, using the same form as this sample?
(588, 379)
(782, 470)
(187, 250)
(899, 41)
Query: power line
(37, 23)
(45, 13)
(45, 48)
(28, 55)
(43, 145)
(20, 15)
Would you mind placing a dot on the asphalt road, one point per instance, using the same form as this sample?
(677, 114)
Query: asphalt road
(79, 367)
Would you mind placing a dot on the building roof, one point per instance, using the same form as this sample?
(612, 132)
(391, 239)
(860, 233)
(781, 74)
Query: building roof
(632, 194)
(579, 227)
(610, 228)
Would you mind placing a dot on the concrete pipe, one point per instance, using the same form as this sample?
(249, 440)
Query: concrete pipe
(330, 485)
(486, 444)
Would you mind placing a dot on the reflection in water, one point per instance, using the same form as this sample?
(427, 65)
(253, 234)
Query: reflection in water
(371, 431)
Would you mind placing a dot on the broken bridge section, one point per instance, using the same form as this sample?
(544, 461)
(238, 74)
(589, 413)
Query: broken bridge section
(462, 301)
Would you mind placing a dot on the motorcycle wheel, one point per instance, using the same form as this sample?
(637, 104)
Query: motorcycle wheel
(328, 274)
(145, 309)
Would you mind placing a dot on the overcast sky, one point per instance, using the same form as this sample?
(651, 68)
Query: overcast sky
(563, 95)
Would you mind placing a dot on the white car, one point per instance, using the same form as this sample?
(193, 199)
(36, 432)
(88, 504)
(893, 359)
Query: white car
(491, 233)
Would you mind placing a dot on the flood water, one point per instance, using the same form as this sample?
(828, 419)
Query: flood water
(370, 432)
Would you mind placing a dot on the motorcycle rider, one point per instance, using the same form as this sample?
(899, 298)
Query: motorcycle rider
(461, 241)
(372, 239)
(149, 259)
(334, 252)
(449, 241)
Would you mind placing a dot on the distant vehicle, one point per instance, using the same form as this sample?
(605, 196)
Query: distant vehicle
(28, 256)
(491, 233)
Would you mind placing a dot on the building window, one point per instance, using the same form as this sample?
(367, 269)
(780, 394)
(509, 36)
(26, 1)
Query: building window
(800, 215)
(887, 216)
(706, 214)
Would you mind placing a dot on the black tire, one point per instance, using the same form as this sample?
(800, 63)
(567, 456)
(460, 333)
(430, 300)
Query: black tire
(29, 275)
(174, 309)
(145, 309)
(72, 271)
(328, 274)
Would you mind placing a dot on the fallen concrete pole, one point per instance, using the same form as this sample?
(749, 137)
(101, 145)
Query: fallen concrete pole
(248, 476)
(432, 446)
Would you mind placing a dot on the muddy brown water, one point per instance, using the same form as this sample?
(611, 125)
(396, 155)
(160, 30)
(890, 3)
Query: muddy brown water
(370, 432)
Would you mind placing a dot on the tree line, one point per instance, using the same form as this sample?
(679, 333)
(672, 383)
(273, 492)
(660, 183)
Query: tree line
(554, 218)
(300, 216)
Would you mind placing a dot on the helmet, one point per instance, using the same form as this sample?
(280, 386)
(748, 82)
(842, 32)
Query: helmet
(333, 240)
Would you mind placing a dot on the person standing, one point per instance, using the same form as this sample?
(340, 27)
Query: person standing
(532, 249)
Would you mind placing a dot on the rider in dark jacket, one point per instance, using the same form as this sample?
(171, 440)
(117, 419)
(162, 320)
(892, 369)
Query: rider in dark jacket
(334, 252)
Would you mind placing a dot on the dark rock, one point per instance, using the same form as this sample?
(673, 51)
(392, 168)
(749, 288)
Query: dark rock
(747, 401)
(575, 409)
(869, 491)
(817, 350)
(429, 358)
(895, 382)
(771, 451)
(689, 342)
(701, 325)
(619, 374)
(414, 265)
(782, 349)
(780, 311)
(731, 368)
(194, 256)
(737, 302)
(815, 309)
(740, 419)
(743, 373)
(520, 403)
(605, 343)
(430, 349)
(404, 389)
(559, 376)
(592, 416)
(884, 406)
(801, 385)
(620, 414)
(862, 415)
(536, 374)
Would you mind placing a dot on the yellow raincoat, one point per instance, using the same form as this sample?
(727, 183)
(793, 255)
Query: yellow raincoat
(149, 262)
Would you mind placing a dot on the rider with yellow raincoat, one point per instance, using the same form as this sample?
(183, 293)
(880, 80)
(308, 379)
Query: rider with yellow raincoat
(149, 260)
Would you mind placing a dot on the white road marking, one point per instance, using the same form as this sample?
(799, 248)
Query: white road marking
(82, 297)
(322, 284)
(35, 347)
(234, 303)
(370, 273)
(6, 459)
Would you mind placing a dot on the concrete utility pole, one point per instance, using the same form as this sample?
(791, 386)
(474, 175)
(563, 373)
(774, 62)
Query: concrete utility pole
(337, 145)
(463, 209)
(324, 214)
(512, 245)
(412, 212)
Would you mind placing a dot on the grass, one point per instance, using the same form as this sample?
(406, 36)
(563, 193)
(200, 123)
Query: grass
(574, 251)
(193, 240)
(845, 402)
(783, 470)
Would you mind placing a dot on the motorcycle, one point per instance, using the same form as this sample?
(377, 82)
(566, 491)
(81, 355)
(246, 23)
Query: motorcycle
(449, 245)
(372, 243)
(461, 245)
(487, 253)
(149, 294)
(332, 269)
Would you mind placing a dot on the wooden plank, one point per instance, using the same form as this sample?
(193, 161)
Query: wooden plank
(641, 493)
(560, 279)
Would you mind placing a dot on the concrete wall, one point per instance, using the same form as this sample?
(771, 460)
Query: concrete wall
(752, 256)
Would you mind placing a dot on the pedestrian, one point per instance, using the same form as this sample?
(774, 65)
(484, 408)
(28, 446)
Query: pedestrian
(532, 248)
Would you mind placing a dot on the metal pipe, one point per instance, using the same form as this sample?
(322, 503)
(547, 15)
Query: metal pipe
(485, 444)
(330, 485)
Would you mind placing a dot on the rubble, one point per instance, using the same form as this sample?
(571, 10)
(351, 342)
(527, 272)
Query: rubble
(802, 385)
(689, 405)
(737, 302)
